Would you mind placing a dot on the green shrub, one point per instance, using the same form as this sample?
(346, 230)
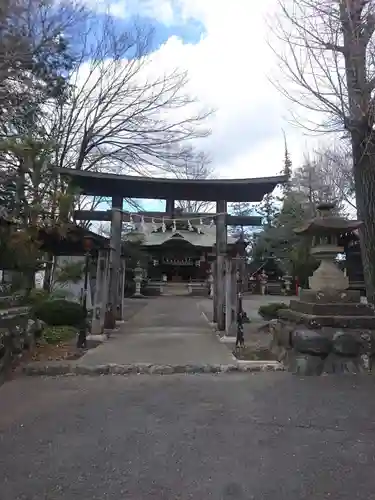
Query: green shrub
(37, 296)
(269, 311)
(60, 312)
(59, 334)
(61, 294)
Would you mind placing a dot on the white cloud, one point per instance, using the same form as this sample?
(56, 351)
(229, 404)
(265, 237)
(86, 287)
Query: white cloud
(228, 71)
(160, 10)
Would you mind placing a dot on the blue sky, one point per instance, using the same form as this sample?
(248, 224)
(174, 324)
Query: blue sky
(189, 32)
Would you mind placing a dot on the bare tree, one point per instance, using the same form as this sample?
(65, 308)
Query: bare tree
(334, 167)
(329, 55)
(124, 115)
(325, 176)
(191, 164)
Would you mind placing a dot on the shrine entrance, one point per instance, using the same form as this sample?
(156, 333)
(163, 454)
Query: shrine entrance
(221, 273)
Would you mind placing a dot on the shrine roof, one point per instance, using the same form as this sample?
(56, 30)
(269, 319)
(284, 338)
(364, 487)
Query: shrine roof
(149, 237)
(130, 186)
(69, 240)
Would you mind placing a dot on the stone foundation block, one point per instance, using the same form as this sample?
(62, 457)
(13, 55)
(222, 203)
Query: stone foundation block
(345, 344)
(306, 364)
(336, 364)
(311, 342)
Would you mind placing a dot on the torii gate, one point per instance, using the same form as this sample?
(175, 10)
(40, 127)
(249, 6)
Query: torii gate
(221, 191)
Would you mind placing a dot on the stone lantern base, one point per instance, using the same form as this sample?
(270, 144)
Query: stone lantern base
(326, 331)
(328, 275)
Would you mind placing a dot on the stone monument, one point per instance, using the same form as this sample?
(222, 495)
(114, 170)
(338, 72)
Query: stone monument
(327, 329)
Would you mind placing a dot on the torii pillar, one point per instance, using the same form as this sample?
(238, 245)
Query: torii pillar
(221, 250)
(114, 263)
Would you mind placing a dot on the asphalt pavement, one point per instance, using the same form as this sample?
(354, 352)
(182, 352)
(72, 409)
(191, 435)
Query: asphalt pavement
(178, 437)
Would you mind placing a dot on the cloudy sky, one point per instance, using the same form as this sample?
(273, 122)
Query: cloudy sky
(223, 45)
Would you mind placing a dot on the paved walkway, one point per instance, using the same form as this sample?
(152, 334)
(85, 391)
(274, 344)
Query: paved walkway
(167, 331)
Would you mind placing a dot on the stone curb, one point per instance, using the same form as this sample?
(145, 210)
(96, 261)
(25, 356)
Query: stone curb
(61, 368)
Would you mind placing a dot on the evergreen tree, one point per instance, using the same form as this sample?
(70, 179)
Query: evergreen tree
(287, 168)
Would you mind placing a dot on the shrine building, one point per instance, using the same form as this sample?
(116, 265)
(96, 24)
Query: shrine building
(182, 250)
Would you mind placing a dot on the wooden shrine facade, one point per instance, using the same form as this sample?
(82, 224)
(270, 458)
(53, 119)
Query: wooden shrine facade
(118, 187)
(180, 251)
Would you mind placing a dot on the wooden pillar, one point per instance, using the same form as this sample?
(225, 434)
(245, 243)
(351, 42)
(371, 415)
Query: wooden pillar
(221, 249)
(170, 207)
(105, 291)
(114, 261)
(228, 295)
(122, 287)
(95, 324)
(234, 296)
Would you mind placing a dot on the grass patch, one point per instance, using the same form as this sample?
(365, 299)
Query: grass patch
(254, 354)
(269, 311)
(58, 334)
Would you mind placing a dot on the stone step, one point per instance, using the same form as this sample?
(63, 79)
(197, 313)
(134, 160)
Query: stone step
(317, 321)
(175, 289)
(334, 309)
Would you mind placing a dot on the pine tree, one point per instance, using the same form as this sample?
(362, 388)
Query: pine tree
(287, 168)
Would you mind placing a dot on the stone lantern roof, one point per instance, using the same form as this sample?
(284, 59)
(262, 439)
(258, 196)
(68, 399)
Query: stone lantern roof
(326, 222)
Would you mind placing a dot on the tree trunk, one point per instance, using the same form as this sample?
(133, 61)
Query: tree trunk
(48, 273)
(364, 176)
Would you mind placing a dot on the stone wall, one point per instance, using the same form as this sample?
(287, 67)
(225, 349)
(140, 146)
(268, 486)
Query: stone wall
(18, 332)
(327, 350)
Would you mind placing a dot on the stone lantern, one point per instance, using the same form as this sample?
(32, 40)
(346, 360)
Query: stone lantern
(326, 230)
(327, 329)
(138, 274)
(287, 283)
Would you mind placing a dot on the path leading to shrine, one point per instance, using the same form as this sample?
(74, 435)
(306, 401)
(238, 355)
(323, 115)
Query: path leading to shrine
(167, 331)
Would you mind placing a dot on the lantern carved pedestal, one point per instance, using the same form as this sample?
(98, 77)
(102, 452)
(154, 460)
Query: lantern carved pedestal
(328, 329)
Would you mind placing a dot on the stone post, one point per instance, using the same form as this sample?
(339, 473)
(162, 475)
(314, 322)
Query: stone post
(114, 261)
(221, 248)
(96, 326)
